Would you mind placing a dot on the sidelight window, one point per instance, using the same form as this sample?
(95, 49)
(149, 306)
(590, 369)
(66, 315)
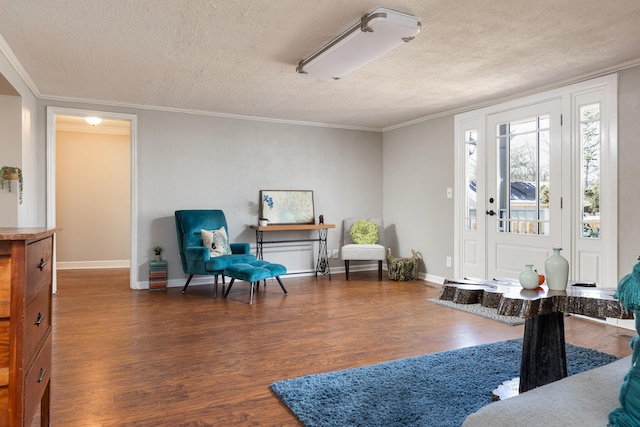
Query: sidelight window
(471, 172)
(590, 169)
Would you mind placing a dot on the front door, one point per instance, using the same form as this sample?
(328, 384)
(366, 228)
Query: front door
(524, 188)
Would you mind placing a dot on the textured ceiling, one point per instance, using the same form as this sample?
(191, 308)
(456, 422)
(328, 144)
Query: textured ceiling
(238, 57)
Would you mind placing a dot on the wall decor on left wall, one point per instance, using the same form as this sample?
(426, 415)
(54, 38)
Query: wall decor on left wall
(8, 174)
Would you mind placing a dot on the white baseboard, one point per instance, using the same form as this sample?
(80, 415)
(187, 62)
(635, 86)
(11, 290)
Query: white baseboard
(622, 323)
(77, 265)
(208, 280)
(433, 278)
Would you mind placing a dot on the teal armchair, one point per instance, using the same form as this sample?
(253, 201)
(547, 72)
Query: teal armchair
(194, 257)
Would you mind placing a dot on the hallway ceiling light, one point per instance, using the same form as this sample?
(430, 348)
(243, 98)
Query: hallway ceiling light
(93, 120)
(374, 35)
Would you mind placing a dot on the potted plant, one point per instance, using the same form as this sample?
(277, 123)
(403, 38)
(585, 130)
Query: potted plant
(263, 222)
(158, 251)
(9, 174)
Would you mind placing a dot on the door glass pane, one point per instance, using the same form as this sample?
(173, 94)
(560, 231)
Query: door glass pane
(523, 170)
(471, 168)
(590, 160)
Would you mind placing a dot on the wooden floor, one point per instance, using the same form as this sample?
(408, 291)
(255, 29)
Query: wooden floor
(140, 358)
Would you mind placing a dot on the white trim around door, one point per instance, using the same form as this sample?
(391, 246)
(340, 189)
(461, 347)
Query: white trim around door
(52, 112)
(592, 254)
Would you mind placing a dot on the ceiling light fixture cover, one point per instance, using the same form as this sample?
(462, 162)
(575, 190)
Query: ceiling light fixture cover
(376, 34)
(93, 120)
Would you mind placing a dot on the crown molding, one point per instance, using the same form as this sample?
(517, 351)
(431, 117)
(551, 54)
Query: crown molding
(204, 113)
(15, 63)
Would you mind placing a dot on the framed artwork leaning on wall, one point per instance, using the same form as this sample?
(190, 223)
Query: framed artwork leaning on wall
(287, 206)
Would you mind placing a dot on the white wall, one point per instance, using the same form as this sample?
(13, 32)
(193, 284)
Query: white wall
(31, 155)
(189, 161)
(418, 169)
(10, 155)
(92, 199)
(628, 169)
(194, 161)
(32, 212)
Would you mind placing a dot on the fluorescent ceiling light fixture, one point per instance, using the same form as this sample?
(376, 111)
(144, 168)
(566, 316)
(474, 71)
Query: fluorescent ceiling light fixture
(93, 120)
(374, 35)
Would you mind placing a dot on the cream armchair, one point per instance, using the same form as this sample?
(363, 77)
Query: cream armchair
(362, 243)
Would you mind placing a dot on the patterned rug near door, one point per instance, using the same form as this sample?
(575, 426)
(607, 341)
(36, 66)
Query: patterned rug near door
(438, 389)
(477, 309)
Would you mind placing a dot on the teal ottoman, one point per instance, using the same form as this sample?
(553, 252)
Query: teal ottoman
(253, 273)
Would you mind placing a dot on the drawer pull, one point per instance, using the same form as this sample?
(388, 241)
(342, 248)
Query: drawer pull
(43, 372)
(39, 319)
(42, 264)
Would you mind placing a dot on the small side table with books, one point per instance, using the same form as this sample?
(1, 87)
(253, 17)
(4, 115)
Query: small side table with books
(158, 275)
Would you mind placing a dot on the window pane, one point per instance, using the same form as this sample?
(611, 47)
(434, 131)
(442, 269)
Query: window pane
(590, 141)
(523, 163)
(503, 193)
(470, 139)
(522, 126)
(543, 195)
(590, 112)
(544, 122)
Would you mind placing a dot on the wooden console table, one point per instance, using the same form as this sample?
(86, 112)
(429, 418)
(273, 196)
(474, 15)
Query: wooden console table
(322, 264)
(543, 350)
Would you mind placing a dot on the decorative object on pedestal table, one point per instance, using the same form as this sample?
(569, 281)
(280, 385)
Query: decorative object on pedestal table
(556, 268)
(263, 222)
(629, 414)
(9, 174)
(529, 279)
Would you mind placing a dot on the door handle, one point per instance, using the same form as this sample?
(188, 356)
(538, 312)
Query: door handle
(41, 375)
(39, 319)
(491, 212)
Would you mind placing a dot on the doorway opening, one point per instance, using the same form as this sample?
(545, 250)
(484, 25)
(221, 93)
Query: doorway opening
(91, 189)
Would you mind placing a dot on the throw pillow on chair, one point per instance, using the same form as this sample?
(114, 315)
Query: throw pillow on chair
(217, 241)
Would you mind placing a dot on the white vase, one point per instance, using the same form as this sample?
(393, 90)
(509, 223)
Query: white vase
(556, 268)
(528, 278)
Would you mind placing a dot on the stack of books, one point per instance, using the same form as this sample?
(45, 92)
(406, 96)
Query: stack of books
(157, 275)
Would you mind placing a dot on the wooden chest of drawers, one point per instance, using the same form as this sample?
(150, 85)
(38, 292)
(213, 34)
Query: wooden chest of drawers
(26, 257)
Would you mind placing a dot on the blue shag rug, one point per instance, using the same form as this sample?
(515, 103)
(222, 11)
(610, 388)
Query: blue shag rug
(438, 389)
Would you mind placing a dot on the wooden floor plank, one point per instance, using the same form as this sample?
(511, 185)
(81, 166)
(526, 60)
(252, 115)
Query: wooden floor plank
(138, 358)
